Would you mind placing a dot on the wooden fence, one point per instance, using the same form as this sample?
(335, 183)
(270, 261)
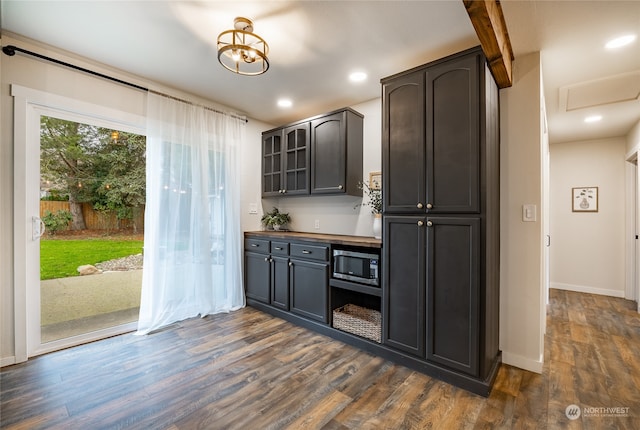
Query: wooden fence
(96, 220)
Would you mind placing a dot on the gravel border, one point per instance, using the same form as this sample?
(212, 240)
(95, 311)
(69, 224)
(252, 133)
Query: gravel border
(132, 262)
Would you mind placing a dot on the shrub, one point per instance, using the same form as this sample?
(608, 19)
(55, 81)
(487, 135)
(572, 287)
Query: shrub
(58, 221)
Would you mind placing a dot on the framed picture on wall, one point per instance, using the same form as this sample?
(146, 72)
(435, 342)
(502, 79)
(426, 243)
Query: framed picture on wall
(584, 199)
(375, 180)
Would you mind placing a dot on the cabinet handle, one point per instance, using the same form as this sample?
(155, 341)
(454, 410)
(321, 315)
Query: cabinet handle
(284, 191)
(278, 248)
(429, 206)
(419, 205)
(304, 251)
(340, 187)
(255, 245)
(290, 264)
(429, 223)
(266, 259)
(420, 223)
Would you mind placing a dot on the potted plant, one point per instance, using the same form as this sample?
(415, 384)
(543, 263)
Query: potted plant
(375, 202)
(374, 195)
(275, 219)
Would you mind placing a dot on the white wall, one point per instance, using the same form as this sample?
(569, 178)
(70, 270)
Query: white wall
(588, 249)
(336, 214)
(521, 169)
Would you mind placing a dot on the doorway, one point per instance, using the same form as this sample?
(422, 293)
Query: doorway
(92, 195)
(31, 107)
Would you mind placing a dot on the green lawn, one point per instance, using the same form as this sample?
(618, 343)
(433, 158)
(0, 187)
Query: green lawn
(61, 258)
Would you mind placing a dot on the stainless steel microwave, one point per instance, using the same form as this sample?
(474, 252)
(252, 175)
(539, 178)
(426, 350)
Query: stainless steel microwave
(356, 266)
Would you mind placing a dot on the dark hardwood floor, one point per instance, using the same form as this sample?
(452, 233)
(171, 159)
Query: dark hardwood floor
(248, 370)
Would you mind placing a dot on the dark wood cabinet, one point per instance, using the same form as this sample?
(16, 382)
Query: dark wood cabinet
(431, 126)
(309, 289)
(289, 276)
(403, 322)
(336, 153)
(439, 298)
(440, 148)
(403, 131)
(257, 276)
(280, 282)
(453, 300)
(272, 163)
(285, 161)
(453, 136)
(267, 272)
(320, 155)
(296, 159)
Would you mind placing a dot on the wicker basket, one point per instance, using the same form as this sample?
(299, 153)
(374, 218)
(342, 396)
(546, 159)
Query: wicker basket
(360, 321)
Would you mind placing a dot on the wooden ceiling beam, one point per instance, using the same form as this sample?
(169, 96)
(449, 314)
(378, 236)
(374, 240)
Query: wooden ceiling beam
(488, 21)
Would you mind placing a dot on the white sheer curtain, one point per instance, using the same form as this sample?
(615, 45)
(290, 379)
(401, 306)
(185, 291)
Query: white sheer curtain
(192, 242)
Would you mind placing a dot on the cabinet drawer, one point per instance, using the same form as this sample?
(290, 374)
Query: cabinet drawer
(310, 252)
(256, 245)
(279, 248)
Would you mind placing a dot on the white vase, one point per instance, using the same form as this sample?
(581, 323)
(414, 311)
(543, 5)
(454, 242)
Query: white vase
(377, 226)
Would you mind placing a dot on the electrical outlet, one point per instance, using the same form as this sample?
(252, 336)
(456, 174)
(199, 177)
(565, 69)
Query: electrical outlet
(317, 224)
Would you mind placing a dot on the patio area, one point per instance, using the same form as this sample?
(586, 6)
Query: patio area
(82, 304)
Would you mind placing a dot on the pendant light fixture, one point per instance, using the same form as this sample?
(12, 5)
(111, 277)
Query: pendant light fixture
(241, 50)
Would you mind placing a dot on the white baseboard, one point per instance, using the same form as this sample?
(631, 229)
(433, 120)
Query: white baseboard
(587, 289)
(522, 362)
(7, 361)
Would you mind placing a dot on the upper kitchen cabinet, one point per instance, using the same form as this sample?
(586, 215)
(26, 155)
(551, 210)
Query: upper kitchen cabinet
(285, 161)
(296, 159)
(431, 137)
(336, 153)
(320, 155)
(272, 163)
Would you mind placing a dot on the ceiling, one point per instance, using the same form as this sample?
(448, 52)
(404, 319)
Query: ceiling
(314, 45)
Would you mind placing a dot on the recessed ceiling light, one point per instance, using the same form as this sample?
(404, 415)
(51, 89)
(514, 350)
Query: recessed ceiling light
(285, 103)
(620, 41)
(358, 76)
(593, 118)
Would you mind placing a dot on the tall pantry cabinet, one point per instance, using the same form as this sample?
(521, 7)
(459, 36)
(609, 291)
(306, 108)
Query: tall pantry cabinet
(440, 143)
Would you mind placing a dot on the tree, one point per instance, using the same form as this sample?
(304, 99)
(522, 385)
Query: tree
(121, 182)
(66, 152)
(93, 166)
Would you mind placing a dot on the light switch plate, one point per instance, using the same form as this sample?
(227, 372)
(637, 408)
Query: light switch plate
(529, 213)
(253, 208)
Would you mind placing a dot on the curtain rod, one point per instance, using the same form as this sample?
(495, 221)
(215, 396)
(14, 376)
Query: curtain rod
(10, 50)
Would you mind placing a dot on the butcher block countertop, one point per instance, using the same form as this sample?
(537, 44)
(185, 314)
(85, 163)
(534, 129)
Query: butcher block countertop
(334, 239)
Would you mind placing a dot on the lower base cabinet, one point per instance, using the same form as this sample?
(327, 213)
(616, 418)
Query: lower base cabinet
(403, 309)
(257, 276)
(280, 282)
(431, 302)
(309, 289)
(453, 299)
